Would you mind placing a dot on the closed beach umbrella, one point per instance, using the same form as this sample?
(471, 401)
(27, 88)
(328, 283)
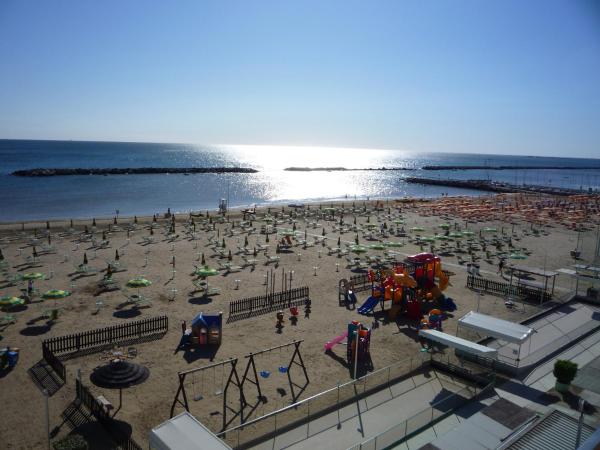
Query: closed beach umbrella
(85, 260)
(358, 249)
(1, 255)
(116, 255)
(377, 246)
(203, 261)
(35, 254)
(229, 257)
(245, 241)
(339, 241)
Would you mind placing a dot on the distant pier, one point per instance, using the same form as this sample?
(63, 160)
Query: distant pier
(508, 168)
(129, 171)
(494, 186)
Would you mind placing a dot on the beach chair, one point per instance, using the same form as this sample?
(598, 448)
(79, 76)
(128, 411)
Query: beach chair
(272, 259)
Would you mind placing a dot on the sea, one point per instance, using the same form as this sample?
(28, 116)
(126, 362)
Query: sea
(87, 196)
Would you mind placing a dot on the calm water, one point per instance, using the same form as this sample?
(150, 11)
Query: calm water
(98, 196)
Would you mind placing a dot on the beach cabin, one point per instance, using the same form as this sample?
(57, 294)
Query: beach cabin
(207, 329)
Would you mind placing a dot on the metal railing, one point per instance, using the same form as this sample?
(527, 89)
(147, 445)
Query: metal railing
(304, 411)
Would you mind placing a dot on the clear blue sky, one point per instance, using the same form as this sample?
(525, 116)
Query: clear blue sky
(518, 77)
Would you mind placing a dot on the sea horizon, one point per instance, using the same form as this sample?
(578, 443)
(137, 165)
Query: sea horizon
(85, 196)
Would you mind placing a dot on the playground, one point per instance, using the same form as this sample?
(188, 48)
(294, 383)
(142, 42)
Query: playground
(255, 307)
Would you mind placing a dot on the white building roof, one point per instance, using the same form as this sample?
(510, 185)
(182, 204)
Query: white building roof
(184, 432)
(498, 328)
(459, 343)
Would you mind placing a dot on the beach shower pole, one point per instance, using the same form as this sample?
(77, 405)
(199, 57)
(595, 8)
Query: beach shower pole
(47, 404)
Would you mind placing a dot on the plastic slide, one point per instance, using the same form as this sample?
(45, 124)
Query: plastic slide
(336, 340)
(368, 306)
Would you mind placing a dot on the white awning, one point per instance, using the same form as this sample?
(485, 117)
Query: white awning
(459, 343)
(184, 432)
(498, 328)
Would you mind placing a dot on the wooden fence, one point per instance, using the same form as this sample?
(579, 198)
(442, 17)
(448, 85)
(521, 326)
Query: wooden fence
(87, 399)
(264, 304)
(99, 339)
(503, 288)
(360, 282)
(105, 336)
(54, 362)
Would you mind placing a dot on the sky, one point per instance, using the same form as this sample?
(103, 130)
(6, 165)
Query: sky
(507, 77)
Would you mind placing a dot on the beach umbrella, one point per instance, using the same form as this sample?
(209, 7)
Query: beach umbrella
(109, 272)
(456, 234)
(49, 239)
(154, 218)
(294, 226)
(445, 226)
(339, 241)
(103, 235)
(55, 294)
(35, 253)
(393, 244)
(245, 241)
(399, 222)
(428, 239)
(205, 272)
(151, 231)
(85, 260)
(358, 249)
(223, 243)
(417, 229)
(490, 230)
(229, 257)
(468, 233)
(94, 222)
(323, 232)
(33, 276)
(138, 283)
(1, 255)
(71, 223)
(85, 230)
(267, 238)
(9, 301)
(354, 220)
(173, 261)
(203, 261)
(253, 253)
(135, 219)
(115, 220)
(517, 256)
(377, 246)
(116, 255)
(356, 239)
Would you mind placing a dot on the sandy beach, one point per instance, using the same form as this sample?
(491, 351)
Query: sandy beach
(545, 238)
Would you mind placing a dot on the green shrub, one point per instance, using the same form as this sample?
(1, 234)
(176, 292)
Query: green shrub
(565, 371)
(71, 442)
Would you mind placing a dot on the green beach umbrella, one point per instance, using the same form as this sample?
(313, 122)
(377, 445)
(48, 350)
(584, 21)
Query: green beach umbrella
(206, 271)
(490, 230)
(377, 246)
(393, 244)
(456, 234)
(55, 294)
(358, 249)
(468, 233)
(517, 256)
(9, 301)
(399, 222)
(445, 226)
(417, 229)
(139, 282)
(428, 239)
(33, 276)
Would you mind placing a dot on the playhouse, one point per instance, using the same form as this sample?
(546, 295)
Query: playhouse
(206, 329)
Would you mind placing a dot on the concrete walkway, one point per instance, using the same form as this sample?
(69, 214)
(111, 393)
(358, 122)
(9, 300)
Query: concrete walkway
(371, 416)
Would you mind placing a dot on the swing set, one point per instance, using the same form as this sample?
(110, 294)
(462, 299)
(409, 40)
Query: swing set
(201, 376)
(253, 376)
(202, 380)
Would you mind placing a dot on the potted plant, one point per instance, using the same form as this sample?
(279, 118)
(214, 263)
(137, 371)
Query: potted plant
(565, 372)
